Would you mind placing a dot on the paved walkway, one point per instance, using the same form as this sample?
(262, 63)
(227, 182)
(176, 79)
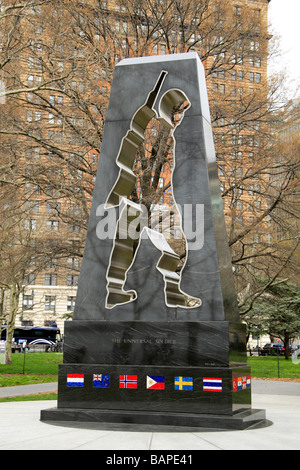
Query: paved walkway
(22, 429)
(27, 389)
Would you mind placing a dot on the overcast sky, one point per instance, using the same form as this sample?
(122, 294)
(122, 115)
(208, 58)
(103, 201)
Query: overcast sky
(284, 17)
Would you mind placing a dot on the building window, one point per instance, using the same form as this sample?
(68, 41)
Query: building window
(52, 225)
(50, 279)
(72, 279)
(27, 302)
(30, 224)
(74, 228)
(73, 263)
(29, 279)
(258, 62)
(71, 303)
(51, 263)
(237, 10)
(35, 206)
(161, 182)
(36, 152)
(30, 80)
(50, 302)
(254, 45)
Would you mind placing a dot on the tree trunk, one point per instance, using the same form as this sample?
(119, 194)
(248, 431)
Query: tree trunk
(14, 303)
(286, 348)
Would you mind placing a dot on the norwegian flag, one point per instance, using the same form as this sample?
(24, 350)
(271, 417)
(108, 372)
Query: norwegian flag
(128, 381)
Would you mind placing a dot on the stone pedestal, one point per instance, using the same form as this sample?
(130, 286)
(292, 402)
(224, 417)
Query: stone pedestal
(157, 373)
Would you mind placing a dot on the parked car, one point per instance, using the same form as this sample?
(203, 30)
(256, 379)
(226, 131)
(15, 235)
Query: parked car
(272, 349)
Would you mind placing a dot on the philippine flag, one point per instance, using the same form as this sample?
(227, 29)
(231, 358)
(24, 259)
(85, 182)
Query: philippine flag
(244, 383)
(128, 381)
(212, 384)
(155, 382)
(75, 380)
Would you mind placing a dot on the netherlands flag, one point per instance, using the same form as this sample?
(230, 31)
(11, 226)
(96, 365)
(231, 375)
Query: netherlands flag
(75, 380)
(212, 384)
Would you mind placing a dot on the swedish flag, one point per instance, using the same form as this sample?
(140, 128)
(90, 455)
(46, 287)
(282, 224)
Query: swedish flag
(183, 383)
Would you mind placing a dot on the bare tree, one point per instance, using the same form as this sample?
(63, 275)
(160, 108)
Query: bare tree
(57, 61)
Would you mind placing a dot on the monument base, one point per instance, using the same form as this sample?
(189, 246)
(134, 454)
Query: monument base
(179, 375)
(180, 397)
(133, 420)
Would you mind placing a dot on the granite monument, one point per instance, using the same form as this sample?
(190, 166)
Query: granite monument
(150, 343)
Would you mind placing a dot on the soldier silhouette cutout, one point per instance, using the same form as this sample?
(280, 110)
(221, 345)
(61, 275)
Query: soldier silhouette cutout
(123, 251)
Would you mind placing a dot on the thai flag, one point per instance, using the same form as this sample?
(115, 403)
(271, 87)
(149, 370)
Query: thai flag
(248, 381)
(75, 380)
(212, 384)
(128, 381)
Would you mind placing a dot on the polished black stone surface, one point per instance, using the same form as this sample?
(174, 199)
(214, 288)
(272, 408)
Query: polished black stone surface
(157, 343)
(154, 388)
(207, 273)
(194, 399)
(155, 421)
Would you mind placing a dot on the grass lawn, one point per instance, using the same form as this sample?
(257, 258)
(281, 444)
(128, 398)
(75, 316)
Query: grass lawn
(268, 366)
(38, 368)
(35, 397)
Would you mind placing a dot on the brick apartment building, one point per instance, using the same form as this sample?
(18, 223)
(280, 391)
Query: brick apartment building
(61, 60)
